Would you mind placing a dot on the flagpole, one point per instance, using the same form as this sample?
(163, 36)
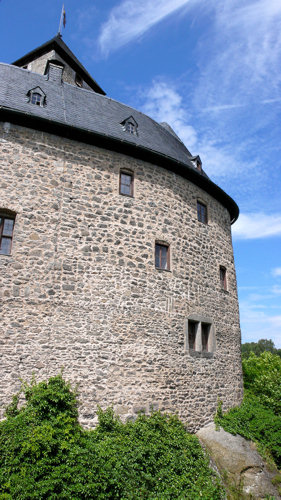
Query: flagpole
(61, 19)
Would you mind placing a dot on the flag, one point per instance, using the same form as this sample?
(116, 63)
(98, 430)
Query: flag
(64, 17)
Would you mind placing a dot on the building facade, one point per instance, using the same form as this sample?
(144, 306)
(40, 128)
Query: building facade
(116, 255)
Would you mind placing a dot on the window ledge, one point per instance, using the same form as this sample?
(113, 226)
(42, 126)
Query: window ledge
(164, 270)
(200, 354)
(127, 195)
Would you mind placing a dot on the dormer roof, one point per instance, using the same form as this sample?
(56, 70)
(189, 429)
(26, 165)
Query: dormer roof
(58, 45)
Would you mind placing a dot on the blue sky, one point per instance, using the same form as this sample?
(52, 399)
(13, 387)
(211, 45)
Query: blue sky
(211, 69)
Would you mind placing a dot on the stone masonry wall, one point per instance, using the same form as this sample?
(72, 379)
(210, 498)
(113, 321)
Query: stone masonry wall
(80, 289)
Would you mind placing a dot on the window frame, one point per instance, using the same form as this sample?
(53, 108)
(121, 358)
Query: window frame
(129, 174)
(192, 334)
(130, 127)
(223, 278)
(205, 336)
(36, 98)
(6, 216)
(202, 212)
(161, 245)
(40, 97)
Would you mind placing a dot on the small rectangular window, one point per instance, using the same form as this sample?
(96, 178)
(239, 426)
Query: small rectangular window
(192, 329)
(223, 281)
(6, 234)
(126, 184)
(36, 98)
(202, 212)
(162, 256)
(205, 330)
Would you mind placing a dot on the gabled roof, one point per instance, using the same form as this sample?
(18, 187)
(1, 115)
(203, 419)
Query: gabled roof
(62, 49)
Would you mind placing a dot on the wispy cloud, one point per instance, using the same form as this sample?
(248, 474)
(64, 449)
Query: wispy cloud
(165, 104)
(257, 225)
(276, 271)
(246, 42)
(222, 107)
(131, 19)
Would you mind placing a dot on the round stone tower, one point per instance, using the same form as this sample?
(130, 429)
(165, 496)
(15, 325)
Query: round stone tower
(116, 256)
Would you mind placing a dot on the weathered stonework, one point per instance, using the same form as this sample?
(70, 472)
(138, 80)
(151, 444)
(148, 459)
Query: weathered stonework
(80, 289)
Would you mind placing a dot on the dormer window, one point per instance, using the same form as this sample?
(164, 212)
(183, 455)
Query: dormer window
(36, 99)
(130, 125)
(78, 80)
(36, 96)
(196, 160)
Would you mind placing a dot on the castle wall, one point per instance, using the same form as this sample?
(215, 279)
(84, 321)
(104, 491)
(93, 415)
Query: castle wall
(80, 289)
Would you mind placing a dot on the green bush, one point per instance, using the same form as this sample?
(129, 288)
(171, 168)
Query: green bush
(262, 377)
(259, 416)
(46, 454)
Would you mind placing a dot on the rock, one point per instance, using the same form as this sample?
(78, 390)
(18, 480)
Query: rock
(239, 460)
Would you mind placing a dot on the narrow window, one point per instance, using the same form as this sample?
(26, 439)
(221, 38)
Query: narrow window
(162, 256)
(202, 212)
(6, 234)
(78, 80)
(223, 278)
(36, 98)
(192, 329)
(126, 184)
(205, 329)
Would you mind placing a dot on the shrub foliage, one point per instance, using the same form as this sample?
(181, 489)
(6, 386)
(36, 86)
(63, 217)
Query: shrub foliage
(45, 453)
(259, 416)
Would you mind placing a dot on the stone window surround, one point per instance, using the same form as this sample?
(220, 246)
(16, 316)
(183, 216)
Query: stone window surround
(198, 352)
(202, 203)
(163, 243)
(132, 184)
(6, 214)
(223, 279)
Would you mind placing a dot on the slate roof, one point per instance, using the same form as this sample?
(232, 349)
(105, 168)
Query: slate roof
(95, 118)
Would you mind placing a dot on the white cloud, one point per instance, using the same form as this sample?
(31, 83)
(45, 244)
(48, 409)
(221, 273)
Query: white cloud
(257, 225)
(276, 271)
(257, 324)
(130, 19)
(246, 42)
(164, 104)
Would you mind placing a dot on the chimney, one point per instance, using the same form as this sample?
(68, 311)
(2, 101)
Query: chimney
(54, 71)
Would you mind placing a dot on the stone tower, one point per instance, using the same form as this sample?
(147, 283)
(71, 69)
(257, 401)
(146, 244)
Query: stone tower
(116, 257)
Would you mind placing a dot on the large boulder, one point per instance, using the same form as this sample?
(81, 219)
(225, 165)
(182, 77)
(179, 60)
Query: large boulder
(237, 459)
